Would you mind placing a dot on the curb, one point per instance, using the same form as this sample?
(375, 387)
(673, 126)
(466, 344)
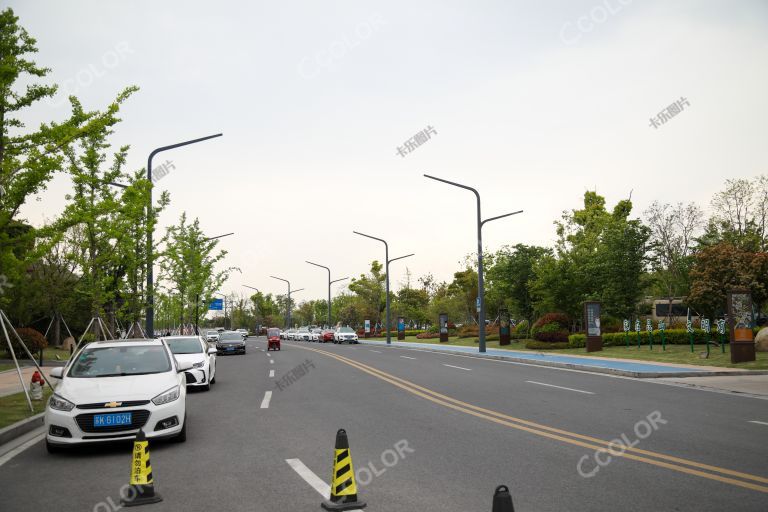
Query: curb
(586, 368)
(20, 428)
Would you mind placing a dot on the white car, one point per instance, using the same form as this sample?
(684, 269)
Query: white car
(303, 334)
(111, 389)
(212, 336)
(290, 334)
(315, 334)
(195, 350)
(244, 332)
(343, 334)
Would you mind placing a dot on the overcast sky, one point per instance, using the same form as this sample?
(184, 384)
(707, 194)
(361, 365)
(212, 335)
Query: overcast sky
(532, 103)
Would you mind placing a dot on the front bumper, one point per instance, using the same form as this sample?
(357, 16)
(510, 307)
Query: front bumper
(80, 430)
(230, 349)
(196, 377)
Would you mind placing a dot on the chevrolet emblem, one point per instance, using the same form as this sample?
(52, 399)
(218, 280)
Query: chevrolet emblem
(113, 404)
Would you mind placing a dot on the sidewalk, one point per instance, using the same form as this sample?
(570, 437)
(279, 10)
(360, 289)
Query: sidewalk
(625, 367)
(9, 379)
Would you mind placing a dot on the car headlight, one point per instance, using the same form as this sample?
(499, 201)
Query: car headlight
(167, 396)
(60, 404)
(199, 365)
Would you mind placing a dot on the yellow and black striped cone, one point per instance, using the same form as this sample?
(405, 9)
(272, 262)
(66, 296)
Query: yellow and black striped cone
(141, 490)
(502, 500)
(343, 486)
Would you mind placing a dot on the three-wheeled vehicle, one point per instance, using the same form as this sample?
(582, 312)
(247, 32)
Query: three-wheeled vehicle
(273, 338)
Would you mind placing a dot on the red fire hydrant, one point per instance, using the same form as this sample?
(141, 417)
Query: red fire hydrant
(36, 387)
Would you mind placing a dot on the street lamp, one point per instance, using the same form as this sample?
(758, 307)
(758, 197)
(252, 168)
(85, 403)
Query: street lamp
(150, 320)
(480, 284)
(386, 271)
(289, 297)
(197, 296)
(329, 287)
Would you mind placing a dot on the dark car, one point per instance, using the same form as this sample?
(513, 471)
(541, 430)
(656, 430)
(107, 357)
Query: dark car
(230, 342)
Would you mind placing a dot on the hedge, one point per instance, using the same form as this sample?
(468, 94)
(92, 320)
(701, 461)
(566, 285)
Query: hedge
(671, 336)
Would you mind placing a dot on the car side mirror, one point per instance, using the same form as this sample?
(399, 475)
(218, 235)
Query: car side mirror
(57, 373)
(184, 366)
(212, 351)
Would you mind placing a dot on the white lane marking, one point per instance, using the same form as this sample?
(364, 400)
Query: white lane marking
(267, 398)
(406, 357)
(559, 387)
(312, 479)
(271, 373)
(376, 351)
(459, 367)
(759, 422)
(11, 454)
(271, 361)
(269, 355)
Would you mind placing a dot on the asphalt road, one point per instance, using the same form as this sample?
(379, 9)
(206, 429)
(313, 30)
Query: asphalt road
(428, 432)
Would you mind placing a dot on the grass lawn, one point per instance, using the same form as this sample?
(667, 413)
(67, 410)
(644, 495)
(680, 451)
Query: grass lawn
(49, 354)
(675, 354)
(14, 408)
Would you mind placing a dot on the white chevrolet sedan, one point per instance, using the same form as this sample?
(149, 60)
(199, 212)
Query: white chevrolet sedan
(111, 389)
(194, 350)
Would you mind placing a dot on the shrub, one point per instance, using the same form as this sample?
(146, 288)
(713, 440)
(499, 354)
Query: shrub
(522, 327)
(551, 328)
(545, 345)
(671, 336)
(427, 335)
(33, 339)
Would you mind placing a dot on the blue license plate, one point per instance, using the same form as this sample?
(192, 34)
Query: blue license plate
(112, 420)
(230, 348)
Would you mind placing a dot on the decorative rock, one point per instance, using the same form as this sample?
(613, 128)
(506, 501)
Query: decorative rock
(761, 340)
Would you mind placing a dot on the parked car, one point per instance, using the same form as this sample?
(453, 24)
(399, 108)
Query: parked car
(315, 334)
(111, 389)
(273, 338)
(212, 336)
(343, 334)
(303, 334)
(290, 334)
(230, 342)
(196, 351)
(244, 332)
(326, 336)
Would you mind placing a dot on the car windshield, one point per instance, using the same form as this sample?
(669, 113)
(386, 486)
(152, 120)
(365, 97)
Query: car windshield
(212, 332)
(184, 345)
(231, 336)
(273, 332)
(346, 329)
(303, 329)
(120, 361)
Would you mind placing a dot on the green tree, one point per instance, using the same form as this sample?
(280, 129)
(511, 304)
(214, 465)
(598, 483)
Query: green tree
(369, 292)
(510, 277)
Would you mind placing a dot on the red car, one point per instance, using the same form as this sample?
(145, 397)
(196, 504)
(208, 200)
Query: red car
(326, 336)
(273, 338)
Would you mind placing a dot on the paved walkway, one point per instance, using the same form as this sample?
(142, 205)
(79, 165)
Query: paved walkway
(626, 367)
(9, 380)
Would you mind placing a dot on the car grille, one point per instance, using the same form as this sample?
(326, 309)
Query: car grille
(138, 419)
(190, 378)
(100, 405)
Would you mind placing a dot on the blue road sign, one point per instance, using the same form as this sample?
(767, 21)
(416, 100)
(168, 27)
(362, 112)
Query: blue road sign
(216, 305)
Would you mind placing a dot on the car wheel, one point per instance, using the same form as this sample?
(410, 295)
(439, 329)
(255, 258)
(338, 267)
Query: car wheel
(213, 380)
(181, 437)
(52, 448)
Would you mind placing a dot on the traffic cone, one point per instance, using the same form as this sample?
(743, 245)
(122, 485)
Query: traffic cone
(343, 487)
(142, 489)
(502, 500)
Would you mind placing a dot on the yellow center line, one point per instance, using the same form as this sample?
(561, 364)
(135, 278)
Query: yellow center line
(559, 434)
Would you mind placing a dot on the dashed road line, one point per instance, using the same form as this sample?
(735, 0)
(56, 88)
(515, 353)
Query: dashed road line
(406, 357)
(376, 351)
(759, 422)
(267, 398)
(559, 387)
(458, 367)
(271, 373)
(271, 361)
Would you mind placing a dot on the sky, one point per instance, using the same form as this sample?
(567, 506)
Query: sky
(532, 103)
